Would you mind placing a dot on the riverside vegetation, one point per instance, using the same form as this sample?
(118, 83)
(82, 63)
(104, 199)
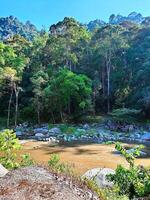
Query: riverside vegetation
(133, 182)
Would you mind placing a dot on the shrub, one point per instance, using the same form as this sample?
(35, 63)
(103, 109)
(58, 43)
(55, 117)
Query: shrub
(133, 182)
(54, 160)
(59, 167)
(8, 145)
(26, 160)
(125, 115)
(65, 128)
(105, 194)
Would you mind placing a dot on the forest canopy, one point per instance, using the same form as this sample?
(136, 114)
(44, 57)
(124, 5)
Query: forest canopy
(71, 70)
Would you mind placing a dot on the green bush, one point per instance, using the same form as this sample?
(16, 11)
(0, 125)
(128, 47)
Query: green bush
(59, 167)
(28, 113)
(26, 160)
(133, 182)
(54, 160)
(3, 122)
(105, 194)
(125, 115)
(9, 144)
(67, 129)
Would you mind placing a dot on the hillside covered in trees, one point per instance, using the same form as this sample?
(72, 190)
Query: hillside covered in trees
(74, 69)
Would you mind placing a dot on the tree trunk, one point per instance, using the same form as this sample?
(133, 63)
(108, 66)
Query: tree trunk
(9, 106)
(108, 91)
(103, 82)
(61, 116)
(108, 68)
(94, 103)
(38, 111)
(52, 114)
(70, 65)
(16, 106)
(69, 107)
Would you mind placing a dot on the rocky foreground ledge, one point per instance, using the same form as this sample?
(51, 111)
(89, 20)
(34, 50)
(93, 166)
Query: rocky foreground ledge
(37, 183)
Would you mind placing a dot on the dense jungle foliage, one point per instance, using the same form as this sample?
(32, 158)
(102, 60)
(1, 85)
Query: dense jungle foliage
(71, 71)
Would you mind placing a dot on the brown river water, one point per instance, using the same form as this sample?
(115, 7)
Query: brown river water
(82, 156)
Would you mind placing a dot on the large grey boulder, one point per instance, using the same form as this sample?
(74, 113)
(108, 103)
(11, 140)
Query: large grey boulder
(99, 175)
(37, 183)
(3, 171)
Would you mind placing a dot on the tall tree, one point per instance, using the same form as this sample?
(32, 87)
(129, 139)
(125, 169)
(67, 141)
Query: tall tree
(107, 41)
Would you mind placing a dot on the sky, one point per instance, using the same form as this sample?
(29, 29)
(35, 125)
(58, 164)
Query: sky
(44, 13)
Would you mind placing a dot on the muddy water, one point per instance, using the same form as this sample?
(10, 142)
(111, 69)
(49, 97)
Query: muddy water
(82, 156)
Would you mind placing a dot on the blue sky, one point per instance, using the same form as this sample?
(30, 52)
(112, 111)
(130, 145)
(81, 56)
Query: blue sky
(46, 12)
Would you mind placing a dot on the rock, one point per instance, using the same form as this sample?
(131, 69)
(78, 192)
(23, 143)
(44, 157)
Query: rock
(137, 136)
(53, 139)
(131, 128)
(19, 133)
(124, 129)
(86, 126)
(39, 135)
(146, 136)
(148, 127)
(25, 124)
(131, 151)
(40, 130)
(132, 17)
(80, 130)
(99, 176)
(37, 183)
(54, 131)
(3, 171)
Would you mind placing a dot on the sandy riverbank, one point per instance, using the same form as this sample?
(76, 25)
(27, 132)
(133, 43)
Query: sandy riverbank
(83, 157)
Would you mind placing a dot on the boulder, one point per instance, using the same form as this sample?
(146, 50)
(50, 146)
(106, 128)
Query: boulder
(19, 133)
(86, 126)
(53, 139)
(99, 176)
(40, 130)
(131, 151)
(146, 136)
(37, 183)
(54, 131)
(137, 136)
(131, 128)
(3, 171)
(39, 135)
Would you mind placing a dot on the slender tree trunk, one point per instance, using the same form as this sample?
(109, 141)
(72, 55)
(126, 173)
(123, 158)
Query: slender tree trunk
(103, 82)
(70, 65)
(38, 111)
(94, 104)
(108, 68)
(16, 118)
(9, 106)
(67, 63)
(52, 114)
(108, 91)
(61, 116)
(16, 107)
(69, 109)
